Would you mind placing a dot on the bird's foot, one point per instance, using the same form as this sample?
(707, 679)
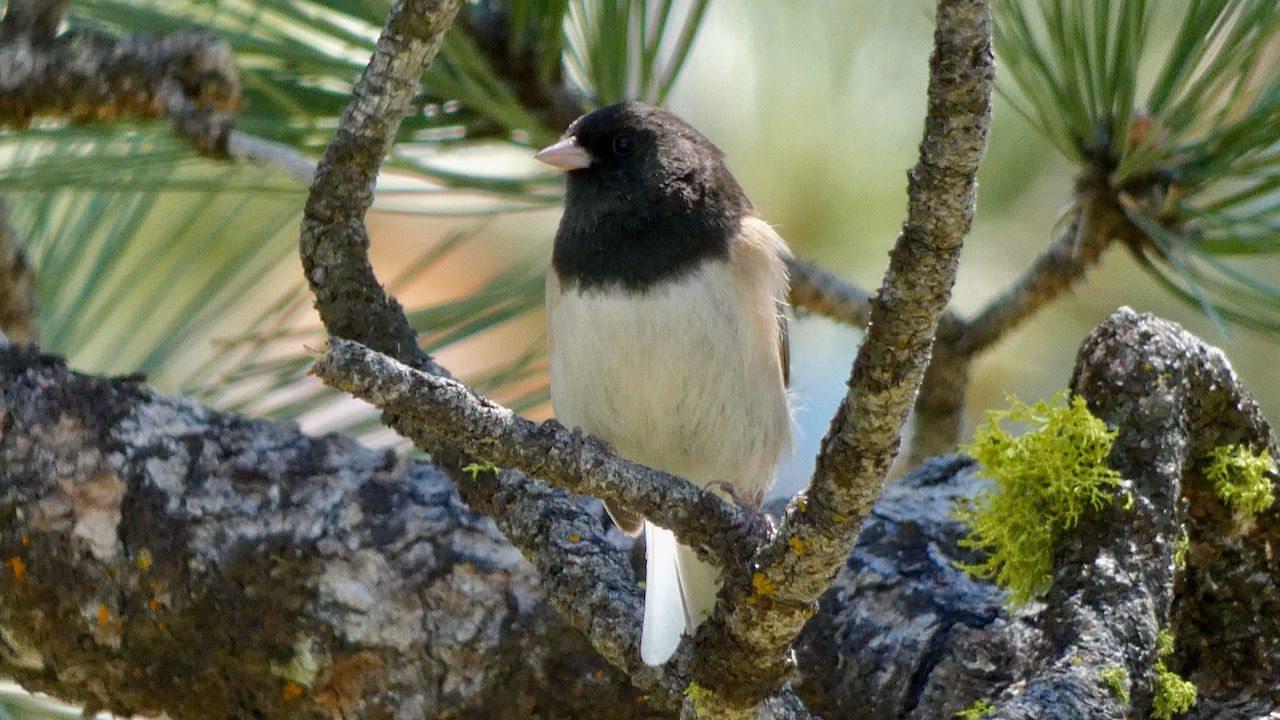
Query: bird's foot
(758, 519)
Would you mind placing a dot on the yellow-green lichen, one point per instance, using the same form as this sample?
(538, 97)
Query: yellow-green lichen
(303, 667)
(976, 710)
(1173, 695)
(1044, 479)
(482, 466)
(1240, 478)
(1116, 678)
(1180, 549)
(698, 697)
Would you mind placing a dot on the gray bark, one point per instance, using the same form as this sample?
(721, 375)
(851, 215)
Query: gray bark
(161, 556)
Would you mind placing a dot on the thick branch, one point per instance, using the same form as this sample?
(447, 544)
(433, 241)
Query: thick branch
(157, 557)
(1172, 398)
(427, 406)
(743, 651)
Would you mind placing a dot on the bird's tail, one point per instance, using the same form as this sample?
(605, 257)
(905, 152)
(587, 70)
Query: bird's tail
(680, 592)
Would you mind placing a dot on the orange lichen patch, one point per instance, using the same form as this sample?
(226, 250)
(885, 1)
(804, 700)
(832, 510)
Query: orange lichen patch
(18, 567)
(799, 546)
(104, 614)
(575, 538)
(154, 604)
(344, 684)
(762, 584)
(291, 691)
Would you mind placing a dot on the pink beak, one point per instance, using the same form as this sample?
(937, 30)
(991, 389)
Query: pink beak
(566, 154)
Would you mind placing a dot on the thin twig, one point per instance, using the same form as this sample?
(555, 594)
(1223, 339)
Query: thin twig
(429, 406)
(286, 158)
(188, 75)
(335, 242)
(1098, 223)
(17, 285)
(820, 292)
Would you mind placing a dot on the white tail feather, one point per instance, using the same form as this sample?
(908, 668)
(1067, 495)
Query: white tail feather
(664, 613)
(679, 593)
(699, 584)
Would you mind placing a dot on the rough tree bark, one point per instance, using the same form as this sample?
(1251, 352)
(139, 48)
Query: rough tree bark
(160, 556)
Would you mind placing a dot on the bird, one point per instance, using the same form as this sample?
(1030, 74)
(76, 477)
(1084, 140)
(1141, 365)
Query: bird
(667, 310)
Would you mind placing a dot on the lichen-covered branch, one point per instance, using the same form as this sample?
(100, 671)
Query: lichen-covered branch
(428, 406)
(1117, 579)
(742, 653)
(160, 558)
(149, 546)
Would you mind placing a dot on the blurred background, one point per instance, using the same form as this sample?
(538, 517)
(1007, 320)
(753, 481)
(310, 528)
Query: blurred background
(154, 260)
(819, 109)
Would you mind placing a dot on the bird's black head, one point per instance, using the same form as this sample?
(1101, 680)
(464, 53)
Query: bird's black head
(648, 198)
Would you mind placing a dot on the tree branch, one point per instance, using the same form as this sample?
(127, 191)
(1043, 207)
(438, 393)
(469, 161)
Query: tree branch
(188, 75)
(742, 650)
(1097, 223)
(1172, 398)
(18, 319)
(334, 244)
(427, 407)
(157, 557)
(821, 292)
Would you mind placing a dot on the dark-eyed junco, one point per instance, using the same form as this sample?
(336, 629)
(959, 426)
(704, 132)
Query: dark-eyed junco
(666, 317)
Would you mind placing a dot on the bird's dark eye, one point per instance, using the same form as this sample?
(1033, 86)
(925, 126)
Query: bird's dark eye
(623, 144)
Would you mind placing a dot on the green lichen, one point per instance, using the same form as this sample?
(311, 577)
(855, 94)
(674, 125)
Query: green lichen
(482, 466)
(1240, 478)
(1173, 695)
(699, 697)
(1116, 678)
(978, 709)
(1044, 479)
(1180, 549)
(303, 667)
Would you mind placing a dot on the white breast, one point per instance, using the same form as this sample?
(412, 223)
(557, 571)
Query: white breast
(684, 377)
